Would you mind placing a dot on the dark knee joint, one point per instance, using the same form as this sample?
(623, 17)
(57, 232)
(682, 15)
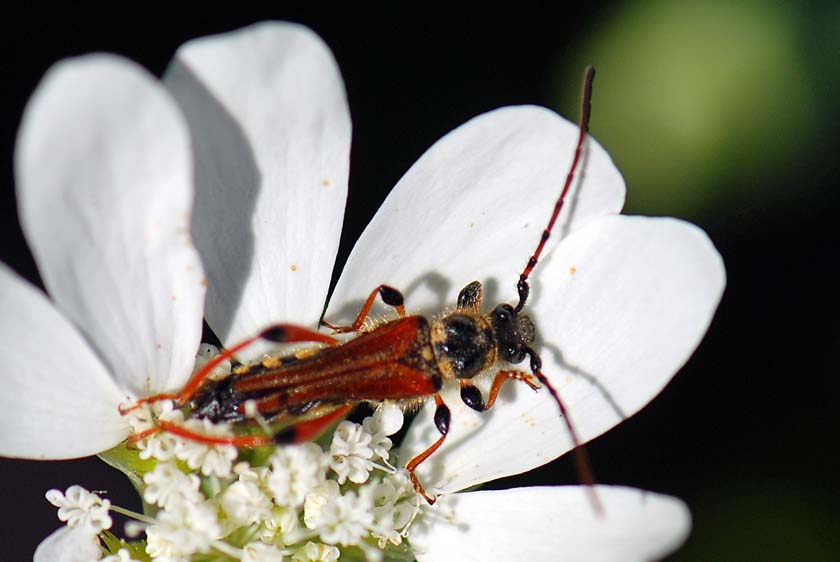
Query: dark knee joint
(471, 396)
(442, 418)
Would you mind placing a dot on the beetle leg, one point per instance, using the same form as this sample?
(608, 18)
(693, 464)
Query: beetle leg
(502, 377)
(244, 441)
(297, 433)
(390, 296)
(442, 419)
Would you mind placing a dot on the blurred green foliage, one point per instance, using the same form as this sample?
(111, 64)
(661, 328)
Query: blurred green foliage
(700, 104)
(763, 520)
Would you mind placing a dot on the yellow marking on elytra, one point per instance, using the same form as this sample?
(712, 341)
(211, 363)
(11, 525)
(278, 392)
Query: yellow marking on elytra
(271, 362)
(305, 352)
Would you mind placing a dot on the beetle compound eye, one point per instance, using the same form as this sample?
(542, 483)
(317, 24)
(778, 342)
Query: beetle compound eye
(527, 331)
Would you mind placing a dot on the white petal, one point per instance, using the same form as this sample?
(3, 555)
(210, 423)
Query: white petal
(271, 127)
(58, 401)
(104, 176)
(612, 334)
(550, 524)
(474, 207)
(69, 544)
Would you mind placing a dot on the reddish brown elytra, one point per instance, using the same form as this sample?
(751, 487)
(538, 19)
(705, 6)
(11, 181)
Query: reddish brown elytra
(406, 361)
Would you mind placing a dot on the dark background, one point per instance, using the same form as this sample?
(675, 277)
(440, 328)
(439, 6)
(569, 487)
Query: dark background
(747, 432)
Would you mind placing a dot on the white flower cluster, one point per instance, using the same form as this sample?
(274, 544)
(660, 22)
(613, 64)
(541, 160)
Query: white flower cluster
(302, 503)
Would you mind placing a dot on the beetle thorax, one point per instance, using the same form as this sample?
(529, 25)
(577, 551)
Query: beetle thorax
(464, 343)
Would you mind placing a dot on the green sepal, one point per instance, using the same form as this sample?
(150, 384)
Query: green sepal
(113, 544)
(127, 460)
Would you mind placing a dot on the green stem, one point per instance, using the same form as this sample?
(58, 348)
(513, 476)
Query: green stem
(133, 514)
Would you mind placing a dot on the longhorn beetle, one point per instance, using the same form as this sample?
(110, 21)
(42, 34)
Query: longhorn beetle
(406, 360)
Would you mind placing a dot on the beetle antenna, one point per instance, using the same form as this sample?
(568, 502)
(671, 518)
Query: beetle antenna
(522, 285)
(582, 465)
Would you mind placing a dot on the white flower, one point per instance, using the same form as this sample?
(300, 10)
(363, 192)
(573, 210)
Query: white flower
(166, 485)
(281, 527)
(259, 552)
(78, 507)
(346, 519)
(69, 544)
(160, 446)
(386, 420)
(245, 503)
(619, 302)
(186, 528)
(211, 459)
(316, 552)
(350, 453)
(108, 222)
(396, 507)
(247, 473)
(295, 471)
(323, 494)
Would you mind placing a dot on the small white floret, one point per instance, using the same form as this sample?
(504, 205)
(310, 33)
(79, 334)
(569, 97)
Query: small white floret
(245, 503)
(386, 420)
(316, 500)
(396, 507)
(351, 453)
(316, 552)
(161, 445)
(295, 471)
(187, 528)
(282, 527)
(77, 507)
(347, 519)
(212, 460)
(259, 552)
(166, 485)
(247, 473)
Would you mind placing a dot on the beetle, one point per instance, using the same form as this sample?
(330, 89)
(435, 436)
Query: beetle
(405, 360)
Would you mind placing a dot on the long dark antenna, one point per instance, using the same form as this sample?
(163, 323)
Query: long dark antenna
(586, 97)
(582, 465)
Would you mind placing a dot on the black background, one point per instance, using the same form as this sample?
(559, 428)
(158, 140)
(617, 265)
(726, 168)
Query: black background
(746, 433)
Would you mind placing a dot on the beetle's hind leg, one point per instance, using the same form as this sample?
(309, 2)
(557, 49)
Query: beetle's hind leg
(442, 418)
